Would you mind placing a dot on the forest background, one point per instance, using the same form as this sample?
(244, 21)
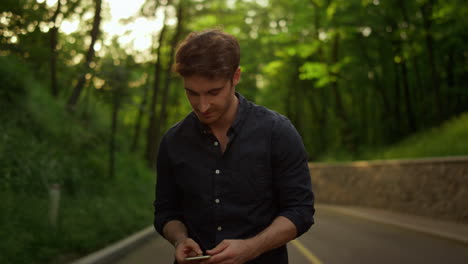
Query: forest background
(86, 93)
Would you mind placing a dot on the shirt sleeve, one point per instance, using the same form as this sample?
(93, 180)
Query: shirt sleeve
(166, 204)
(291, 176)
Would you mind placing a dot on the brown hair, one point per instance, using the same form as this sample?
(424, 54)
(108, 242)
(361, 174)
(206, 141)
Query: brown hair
(211, 53)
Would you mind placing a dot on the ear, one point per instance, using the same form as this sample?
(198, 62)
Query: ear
(236, 77)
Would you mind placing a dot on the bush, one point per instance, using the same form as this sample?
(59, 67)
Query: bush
(14, 80)
(41, 144)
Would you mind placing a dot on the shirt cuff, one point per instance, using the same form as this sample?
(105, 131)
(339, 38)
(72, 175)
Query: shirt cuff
(159, 223)
(302, 218)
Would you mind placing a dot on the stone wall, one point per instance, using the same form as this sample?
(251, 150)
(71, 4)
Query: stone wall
(430, 187)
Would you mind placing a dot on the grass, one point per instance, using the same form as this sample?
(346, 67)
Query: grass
(449, 139)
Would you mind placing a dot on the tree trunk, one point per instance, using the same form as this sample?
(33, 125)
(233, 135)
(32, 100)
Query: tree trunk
(397, 100)
(426, 11)
(317, 97)
(53, 52)
(146, 90)
(451, 82)
(409, 109)
(167, 83)
(152, 144)
(378, 86)
(450, 68)
(296, 107)
(73, 99)
(141, 110)
(115, 111)
(404, 71)
(418, 93)
(346, 132)
(334, 84)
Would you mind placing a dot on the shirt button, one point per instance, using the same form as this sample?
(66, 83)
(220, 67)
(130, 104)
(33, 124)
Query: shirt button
(220, 228)
(216, 143)
(217, 201)
(217, 171)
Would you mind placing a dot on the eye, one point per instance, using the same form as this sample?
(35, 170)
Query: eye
(214, 92)
(191, 93)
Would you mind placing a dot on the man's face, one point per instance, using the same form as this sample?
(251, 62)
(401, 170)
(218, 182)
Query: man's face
(210, 98)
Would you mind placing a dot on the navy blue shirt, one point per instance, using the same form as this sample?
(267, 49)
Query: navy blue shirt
(262, 174)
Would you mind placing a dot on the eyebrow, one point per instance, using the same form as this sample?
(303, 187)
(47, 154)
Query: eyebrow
(211, 90)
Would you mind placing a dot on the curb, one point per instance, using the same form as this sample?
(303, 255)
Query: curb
(435, 232)
(118, 249)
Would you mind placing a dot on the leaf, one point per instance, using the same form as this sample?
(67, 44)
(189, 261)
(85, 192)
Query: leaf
(331, 10)
(273, 68)
(322, 82)
(313, 70)
(306, 50)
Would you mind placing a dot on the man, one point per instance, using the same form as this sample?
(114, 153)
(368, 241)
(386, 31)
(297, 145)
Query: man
(233, 180)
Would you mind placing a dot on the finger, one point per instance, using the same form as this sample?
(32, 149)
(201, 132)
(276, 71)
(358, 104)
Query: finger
(180, 257)
(194, 247)
(183, 251)
(219, 248)
(217, 259)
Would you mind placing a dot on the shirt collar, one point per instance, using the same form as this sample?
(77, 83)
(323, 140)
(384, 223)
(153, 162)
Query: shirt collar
(242, 111)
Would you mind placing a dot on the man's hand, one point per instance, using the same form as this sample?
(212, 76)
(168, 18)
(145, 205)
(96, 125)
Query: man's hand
(231, 252)
(186, 248)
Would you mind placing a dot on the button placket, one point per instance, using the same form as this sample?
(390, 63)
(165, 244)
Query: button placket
(218, 193)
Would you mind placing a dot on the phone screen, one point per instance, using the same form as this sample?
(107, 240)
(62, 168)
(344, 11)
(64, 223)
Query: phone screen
(198, 257)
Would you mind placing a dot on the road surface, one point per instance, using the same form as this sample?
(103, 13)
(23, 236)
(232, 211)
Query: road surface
(339, 238)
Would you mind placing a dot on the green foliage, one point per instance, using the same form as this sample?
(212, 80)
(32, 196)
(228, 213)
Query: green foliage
(350, 74)
(315, 71)
(13, 84)
(449, 139)
(40, 145)
(354, 77)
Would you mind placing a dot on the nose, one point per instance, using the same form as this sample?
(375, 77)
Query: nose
(204, 104)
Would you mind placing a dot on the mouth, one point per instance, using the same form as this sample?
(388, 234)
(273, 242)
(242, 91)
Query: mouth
(206, 114)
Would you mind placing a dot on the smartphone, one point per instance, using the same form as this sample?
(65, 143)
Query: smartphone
(198, 257)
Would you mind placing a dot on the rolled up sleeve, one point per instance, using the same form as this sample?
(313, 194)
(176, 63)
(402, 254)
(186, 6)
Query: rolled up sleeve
(166, 204)
(291, 176)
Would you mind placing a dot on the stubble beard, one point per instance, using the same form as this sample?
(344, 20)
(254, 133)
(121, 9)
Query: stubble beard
(216, 117)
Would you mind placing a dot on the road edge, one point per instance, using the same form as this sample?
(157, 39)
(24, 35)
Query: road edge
(118, 249)
(350, 211)
(122, 247)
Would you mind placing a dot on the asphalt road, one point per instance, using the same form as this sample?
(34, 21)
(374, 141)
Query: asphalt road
(337, 238)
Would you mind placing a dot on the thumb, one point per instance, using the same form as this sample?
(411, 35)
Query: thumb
(219, 248)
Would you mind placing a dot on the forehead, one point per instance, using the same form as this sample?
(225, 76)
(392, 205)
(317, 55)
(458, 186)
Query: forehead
(201, 84)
